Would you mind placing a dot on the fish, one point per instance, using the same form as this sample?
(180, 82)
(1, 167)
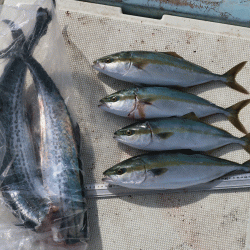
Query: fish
(186, 132)
(170, 170)
(159, 102)
(22, 188)
(59, 160)
(162, 69)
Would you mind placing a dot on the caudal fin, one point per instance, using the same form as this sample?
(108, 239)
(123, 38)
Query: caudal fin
(20, 46)
(246, 145)
(247, 166)
(231, 75)
(234, 114)
(19, 40)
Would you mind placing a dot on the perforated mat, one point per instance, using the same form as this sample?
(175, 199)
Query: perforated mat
(89, 37)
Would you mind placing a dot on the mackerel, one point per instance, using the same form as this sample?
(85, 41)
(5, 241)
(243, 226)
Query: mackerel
(22, 188)
(59, 160)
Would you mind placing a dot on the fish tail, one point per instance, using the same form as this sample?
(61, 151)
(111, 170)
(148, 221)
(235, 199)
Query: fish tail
(231, 75)
(16, 45)
(20, 47)
(246, 145)
(233, 116)
(246, 165)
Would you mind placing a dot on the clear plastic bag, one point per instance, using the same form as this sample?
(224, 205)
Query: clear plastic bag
(41, 175)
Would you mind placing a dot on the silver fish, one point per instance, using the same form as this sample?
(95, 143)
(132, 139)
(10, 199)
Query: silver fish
(174, 133)
(59, 160)
(22, 187)
(162, 69)
(160, 102)
(170, 171)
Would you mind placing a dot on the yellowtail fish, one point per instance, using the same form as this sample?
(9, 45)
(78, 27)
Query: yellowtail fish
(159, 102)
(174, 133)
(162, 69)
(170, 171)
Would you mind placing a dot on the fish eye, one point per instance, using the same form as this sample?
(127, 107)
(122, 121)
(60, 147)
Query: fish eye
(121, 171)
(114, 99)
(128, 132)
(108, 60)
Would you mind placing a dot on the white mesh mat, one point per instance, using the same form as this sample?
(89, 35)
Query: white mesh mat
(90, 36)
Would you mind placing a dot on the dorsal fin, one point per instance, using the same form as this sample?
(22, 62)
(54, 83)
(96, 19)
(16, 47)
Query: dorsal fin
(191, 116)
(172, 54)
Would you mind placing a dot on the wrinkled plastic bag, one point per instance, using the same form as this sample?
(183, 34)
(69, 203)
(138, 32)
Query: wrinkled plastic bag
(28, 218)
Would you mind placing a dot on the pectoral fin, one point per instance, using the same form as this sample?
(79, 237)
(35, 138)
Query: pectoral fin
(191, 116)
(165, 135)
(158, 171)
(140, 65)
(146, 101)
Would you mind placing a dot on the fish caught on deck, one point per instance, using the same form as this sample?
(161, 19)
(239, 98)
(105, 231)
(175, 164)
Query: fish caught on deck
(22, 187)
(61, 186)
(159, 102)
(174, 133)
(162, 69)
(59, 160)
(170, 170)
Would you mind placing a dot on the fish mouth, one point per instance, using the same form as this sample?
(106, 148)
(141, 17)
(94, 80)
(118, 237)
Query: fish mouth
(116, 136)
(98, 66)
(107, 179)
(103, 104)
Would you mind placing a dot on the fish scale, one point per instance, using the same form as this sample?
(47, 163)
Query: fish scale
(22, 189)
(59, 162)
(159, 102)
(170, 170)
(175, 133)
(19, 148)
(162, 69)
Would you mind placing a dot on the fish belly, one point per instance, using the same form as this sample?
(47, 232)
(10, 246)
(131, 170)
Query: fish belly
(168, 108)
(164, 75)
(186, 176)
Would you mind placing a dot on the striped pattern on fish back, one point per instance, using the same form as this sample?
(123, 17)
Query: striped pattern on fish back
(22, 177)
(58, 154)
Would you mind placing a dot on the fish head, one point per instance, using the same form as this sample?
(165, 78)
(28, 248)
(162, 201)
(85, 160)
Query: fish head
(114, 65)
(138, 135)
(120, 103)
(128, 173)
